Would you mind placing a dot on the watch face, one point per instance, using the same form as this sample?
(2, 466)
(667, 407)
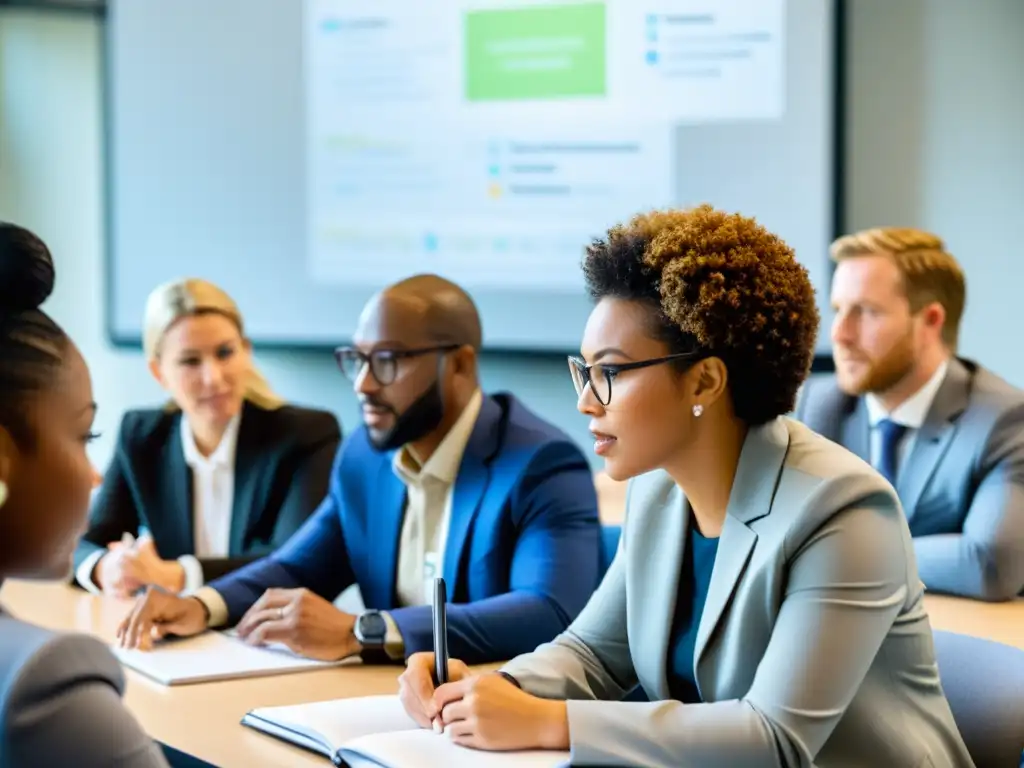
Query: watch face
(372, 626)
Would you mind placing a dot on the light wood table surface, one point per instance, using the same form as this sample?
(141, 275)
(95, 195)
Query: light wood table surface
(203, 719)
(1003, 622)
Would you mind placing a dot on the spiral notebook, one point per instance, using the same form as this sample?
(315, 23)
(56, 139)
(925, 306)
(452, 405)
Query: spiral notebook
(375, 732)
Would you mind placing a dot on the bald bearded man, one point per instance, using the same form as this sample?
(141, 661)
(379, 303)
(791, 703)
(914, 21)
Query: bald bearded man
(441, 480)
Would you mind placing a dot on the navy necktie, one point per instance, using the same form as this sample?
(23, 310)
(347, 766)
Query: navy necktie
(891, 433)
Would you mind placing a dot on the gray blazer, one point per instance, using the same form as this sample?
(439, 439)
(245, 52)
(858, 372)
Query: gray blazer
(814, 648)
(961, 483)
(60, 703)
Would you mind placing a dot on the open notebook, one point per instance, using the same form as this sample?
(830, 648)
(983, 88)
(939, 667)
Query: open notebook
(213, 656)
(375, 732)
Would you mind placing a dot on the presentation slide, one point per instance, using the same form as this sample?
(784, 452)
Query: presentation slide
(487, 142)
(314, 151)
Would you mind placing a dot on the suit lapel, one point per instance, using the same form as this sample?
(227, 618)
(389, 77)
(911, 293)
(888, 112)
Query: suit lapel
(753, 489)
(385, 524)
(248, 452)
(856, 429)
(178, 492)
(470, 484)
(934, 437)
(662, 564)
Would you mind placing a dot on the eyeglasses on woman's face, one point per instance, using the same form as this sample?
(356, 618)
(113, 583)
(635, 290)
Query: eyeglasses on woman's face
(601, 375)
(383, 363)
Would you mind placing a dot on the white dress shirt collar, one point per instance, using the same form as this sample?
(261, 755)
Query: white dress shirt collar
(912, 412)
(223, 455)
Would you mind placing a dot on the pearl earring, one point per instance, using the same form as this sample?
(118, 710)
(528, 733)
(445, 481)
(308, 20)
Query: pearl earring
(3, 492)
(698, 409)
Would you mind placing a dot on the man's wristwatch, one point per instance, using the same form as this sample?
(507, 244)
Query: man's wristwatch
(371, 631)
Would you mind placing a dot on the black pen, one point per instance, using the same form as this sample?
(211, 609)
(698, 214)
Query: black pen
(440, 632)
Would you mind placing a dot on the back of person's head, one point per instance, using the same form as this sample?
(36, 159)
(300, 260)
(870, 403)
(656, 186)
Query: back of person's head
(929, 273)
(46, 415)
(700, 316)
(194, 339)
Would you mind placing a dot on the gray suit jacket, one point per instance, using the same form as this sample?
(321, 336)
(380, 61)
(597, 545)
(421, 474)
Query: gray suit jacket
(60, 703)
(961, 483)
(814, 648)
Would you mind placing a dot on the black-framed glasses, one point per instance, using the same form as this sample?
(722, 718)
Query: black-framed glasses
(383, 363)
(600, 375)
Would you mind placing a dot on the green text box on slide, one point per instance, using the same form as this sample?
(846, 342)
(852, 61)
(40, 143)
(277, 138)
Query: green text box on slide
(540, 52)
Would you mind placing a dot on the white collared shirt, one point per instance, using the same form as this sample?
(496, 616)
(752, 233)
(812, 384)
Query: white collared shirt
(911, 413)
(213, 498)
(213, 492)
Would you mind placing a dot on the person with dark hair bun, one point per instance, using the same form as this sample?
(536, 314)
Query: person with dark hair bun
(764, 597)
(60, 695)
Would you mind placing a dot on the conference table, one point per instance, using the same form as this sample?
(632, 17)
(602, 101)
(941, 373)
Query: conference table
(203, 720)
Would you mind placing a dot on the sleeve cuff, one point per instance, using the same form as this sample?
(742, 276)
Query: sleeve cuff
(193, 574)
(394, 645)
(83, 574)
(509, 678)
(214, 604)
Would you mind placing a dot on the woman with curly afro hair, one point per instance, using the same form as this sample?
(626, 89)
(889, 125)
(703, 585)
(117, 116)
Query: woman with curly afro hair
(764, 596)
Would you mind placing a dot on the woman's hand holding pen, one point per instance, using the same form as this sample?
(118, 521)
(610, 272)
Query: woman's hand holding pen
(488, 712)
(416, 687)
(481, 711)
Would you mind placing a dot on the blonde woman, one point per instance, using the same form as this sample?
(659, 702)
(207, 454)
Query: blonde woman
(220, 476)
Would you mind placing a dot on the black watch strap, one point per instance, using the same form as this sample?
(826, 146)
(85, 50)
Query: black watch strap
(375, 656)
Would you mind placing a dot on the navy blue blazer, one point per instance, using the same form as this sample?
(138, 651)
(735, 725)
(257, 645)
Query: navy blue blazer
(523, 550)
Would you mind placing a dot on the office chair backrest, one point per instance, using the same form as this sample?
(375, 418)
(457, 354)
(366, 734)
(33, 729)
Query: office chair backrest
(984, 683)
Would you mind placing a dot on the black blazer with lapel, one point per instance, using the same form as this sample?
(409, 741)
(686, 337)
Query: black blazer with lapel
(282, 466)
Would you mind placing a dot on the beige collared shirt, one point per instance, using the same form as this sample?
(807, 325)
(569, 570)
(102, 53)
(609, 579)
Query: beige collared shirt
(428, 507)
(424, 531)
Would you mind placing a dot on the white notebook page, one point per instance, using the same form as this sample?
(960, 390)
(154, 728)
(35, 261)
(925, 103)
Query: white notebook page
(212, 656)
(426, 749)
(334, 722)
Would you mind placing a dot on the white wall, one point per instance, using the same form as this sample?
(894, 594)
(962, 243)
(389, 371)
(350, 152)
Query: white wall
(51, 180)
(935, 139)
